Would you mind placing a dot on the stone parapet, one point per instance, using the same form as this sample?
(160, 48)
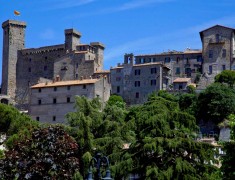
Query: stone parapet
(14, 23)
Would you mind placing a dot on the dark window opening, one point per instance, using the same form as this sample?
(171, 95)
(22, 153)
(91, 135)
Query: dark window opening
(177, 60)
(84, 86)
(45, 68)
(137, 95)
(54, 101)
(54, 118)
(68, 99)
(39, 90)
(137, 72)
(210, 53)
(55, 88)
(46, 57)
(39, 101)
(153, 70)
(153, 82)
(68, 87)
(37, 118)
(137, 83)
(118, 89)
(224, 53)
(29, 69)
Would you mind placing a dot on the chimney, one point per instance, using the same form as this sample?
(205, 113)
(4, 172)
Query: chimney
(57, 78)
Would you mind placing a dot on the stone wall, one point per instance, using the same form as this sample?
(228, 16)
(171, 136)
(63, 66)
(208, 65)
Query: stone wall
(49, 111)
(13, 40)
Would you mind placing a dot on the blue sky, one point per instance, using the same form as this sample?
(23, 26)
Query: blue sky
(124, 26)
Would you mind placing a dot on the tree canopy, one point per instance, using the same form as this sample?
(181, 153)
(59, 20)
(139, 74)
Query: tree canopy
(165, 147)
(216, 103)
(48, 153)
(227, 77)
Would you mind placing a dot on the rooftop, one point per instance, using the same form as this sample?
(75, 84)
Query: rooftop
(179, 80)
(64, 83)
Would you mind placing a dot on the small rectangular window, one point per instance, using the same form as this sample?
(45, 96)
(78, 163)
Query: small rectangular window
(76, 76)
(37, 118)
(153, 82)
(55, 88)
(39, 101)
(68, 99)
(210, 53)
(210, 70)
(39, 90)
(177, 60)
(153, 70)
(29, 70)
(118, 89)
(137, 83)
(137, 95)
(177, 70)
(118, 78)
(84, 86)
(45, 68)
(223, 67)
(137, 72)
(54, 118)
(54, 100)
(118, 70)
(167, 59)
(68, 87)
(224, 53)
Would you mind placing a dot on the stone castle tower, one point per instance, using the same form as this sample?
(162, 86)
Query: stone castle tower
(13, 40)
(23, 67)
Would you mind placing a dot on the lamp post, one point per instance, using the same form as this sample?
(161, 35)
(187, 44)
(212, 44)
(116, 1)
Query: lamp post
(99, 162)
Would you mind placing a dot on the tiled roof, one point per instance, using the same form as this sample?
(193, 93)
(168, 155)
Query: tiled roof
(171, 53)
(179, 80)
(65, 83)
(118, 67)
(80, 52)
(102, 71)
(147, 64)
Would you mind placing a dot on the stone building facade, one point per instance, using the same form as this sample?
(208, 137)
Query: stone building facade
(23, 67)
(51, 101)
(134, 82)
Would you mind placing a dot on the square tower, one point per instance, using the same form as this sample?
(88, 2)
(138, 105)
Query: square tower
(13, 40)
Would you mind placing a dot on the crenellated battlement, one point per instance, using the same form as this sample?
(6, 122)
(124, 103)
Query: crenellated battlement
(13, 23)
(42, 50)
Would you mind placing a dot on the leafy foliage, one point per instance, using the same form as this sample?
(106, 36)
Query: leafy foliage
(216, 103)
(12, 121)
(165, 147)
(50, 153)
(227, 77)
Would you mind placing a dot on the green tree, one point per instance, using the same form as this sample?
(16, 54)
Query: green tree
(216, 103)
(227, 77)
(165, 147)
(100, 131)
(116, 100)
(49, 153)
(188, 103)
(228, 161)
(12, 121)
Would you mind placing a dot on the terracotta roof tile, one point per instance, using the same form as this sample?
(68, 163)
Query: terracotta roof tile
(179, 80)
(65, 83)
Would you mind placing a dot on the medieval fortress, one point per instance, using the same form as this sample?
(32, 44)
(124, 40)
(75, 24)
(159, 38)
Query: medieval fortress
(41, 79)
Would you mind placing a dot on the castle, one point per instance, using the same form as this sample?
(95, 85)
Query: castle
(75, 64)
(23, 67)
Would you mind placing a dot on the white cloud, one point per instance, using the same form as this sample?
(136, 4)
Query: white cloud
(63, 4)
(139, 3)
(47, 34)
(134, 4)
